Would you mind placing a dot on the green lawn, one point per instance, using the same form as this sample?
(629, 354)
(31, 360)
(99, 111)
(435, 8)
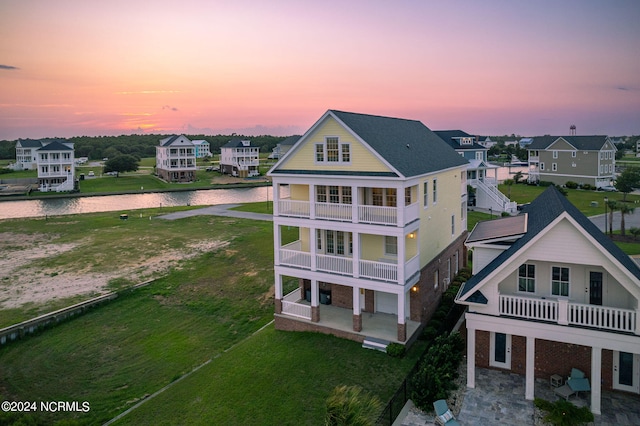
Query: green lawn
(140, 180)
(115, 355)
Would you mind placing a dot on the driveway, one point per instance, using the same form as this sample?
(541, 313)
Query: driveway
(218, 210)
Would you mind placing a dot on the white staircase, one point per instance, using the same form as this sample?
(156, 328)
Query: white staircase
(489, 197)
(375, 343)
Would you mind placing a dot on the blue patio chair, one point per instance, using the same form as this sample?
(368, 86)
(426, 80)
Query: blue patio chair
(444, 416)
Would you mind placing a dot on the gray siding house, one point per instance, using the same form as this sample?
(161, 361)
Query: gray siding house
(581, 159)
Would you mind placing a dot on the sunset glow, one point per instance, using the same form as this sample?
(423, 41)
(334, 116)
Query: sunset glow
(72, 67)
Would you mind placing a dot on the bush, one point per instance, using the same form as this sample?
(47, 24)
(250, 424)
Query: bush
(349, 405)
(396, 350)
(587, 187)
(545, 183)
(562, 412)
(429, 333)
(437, 371)
(571, 185)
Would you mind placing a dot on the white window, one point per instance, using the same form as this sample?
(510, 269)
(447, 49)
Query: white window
(390, 245)
(527, 278)
(573, 154)
(542, 166)
(560, 281)
(453, 224)
(435, 191)
(426, 194)
(554, 167)
(332, 151)
(319, 153)
(321, 194)
(555, 154)
(479, 155)
(346, 153)
(407, 196)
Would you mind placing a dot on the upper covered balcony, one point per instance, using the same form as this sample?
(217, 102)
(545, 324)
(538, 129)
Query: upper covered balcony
(371, 205)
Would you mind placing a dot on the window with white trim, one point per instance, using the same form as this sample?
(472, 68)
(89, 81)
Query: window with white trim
(554, 167)
(479, 155)
(407, 196)
(435, 191)
(426, 194)
(332, 151)
(390, 245)
(560, 281)
(453, 224)
(573, 154)
(527, 278)
(555, 154)
(542, 166)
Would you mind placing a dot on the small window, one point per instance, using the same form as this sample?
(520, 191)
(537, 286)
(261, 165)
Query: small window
(555, 154)
(435, 191)
(390, 245)
(321, 194)
(542, 166)
(319, 152)
(554, 167)
(573, 154)
(527, 278)
(332, 150)
(346, 153)
(436, 278)
(560, 281)
(426, 194)
(453, 224)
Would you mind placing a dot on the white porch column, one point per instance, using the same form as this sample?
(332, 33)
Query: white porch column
(400, 207)
(276, 243)
(315, 293)
(530, 379)
(401, 244)
(355, 204)
(278, 285)
(355, 246)
(563, 312)
(312, 202)
(471, 357)
(276, 197)
(313, 246)
(357, 310)
(596, 379)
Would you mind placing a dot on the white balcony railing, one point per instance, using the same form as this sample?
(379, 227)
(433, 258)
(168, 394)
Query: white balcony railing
(411, 267)
(334, 211)
(292, 255)
(287, 207)
(379, 270)
(334, 264)
(290, 305)
(564, 312)
(378, 215)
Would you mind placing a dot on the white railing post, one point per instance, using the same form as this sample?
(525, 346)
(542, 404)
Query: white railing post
(563, 311)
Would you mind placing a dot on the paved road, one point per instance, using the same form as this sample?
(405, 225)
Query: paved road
(219, 210)
(630, 220)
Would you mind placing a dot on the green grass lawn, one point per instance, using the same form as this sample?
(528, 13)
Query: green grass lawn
(137, 181)
(115, 355)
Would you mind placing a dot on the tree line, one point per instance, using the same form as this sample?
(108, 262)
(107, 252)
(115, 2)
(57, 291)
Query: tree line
(139, 146)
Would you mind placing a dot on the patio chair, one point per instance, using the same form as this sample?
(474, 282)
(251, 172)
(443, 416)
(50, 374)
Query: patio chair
(444, 416)
(578, 382)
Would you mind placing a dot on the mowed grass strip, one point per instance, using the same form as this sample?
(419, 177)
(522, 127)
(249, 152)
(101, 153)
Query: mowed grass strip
(274, 378)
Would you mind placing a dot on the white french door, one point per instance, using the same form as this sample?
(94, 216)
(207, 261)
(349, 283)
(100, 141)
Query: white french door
(500, 350)
(626, 371)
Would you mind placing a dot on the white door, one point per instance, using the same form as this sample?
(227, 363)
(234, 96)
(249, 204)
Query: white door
(626, 371)
(500, 350)
(386, 302)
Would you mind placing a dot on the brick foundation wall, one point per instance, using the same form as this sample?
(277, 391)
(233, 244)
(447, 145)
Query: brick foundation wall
(285, 323)
(424, 302)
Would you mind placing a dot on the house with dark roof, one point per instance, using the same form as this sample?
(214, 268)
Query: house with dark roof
(369, 224)
(581, 159)
(550, 292)
(56, 165)
(176, 159)
(481, 175)
(282, 147)
(240, 158)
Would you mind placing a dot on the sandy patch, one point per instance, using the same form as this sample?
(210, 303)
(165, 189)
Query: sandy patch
(21, 284)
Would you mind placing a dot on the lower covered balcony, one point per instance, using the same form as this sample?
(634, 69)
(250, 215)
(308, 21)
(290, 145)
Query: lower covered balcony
(565, 312)
(335, 313)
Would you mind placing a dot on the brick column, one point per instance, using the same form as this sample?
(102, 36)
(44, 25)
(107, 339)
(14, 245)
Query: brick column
(402, 332)
(315, 314)
(357, 322)
(278, 306)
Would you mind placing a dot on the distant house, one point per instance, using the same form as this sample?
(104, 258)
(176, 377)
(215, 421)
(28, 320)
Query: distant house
(378, 207)
(176, 159)
(203, 148)
(26, 154)
(525, 142)
(510, 143)
(283, 147)
(581, 159)
(56, 166)
(481, 175)
(240, 158)
(486, 141)
(550, 292)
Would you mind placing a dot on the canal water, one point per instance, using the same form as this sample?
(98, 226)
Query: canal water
(106, 203)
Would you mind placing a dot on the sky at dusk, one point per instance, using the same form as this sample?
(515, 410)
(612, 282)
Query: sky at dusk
(491, 67)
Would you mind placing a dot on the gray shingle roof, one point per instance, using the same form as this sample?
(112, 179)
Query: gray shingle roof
(168, 141)
(582, 143)
(30, 143)
(237, 143)
(541, 212)
(55, 146)
(291, 140)
(449, 136)
(407, 145)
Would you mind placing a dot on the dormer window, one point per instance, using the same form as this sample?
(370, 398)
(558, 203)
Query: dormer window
(333, 151)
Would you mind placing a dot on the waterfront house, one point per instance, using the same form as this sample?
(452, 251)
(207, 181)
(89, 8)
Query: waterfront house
(481, 175)
(176, 159)
(550, 292)
(240, 158)
(283, 147)
(369, 225)
(580, 159)
(26, 158)
(202, 148)
(56, 166)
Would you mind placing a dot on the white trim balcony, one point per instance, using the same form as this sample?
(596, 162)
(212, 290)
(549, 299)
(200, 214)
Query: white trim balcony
(564, 312)
(290, 306)
(292, 255)
(379, 270)
(334, 211)
(334, 264)
(288, 207)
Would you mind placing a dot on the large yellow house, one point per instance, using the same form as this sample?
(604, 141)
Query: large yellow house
(369, 227)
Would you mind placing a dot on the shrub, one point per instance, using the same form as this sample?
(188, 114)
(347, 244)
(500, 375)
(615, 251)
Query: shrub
(505, 214)
(587, 187)
(545, 183)
(562, 412)
(429, 332)
(437, 371)
(349, 405)
(571, 185)
(396, 350)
